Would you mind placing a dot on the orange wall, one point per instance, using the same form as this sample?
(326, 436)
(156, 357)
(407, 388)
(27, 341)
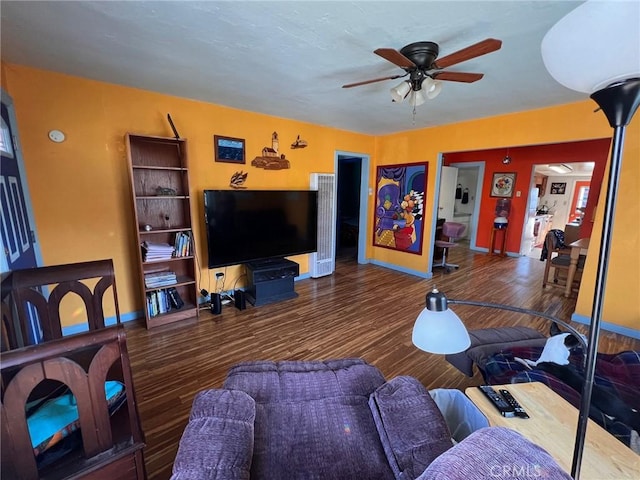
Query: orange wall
(564, 123)
(81, 197)
(80, 188)
(523, 160)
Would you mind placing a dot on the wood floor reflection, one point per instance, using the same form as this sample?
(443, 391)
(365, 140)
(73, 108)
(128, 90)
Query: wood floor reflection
(361, 311)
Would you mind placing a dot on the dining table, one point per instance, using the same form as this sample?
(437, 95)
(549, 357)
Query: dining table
(578, 247)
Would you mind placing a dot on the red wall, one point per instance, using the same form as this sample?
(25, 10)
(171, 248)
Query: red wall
(522, 161)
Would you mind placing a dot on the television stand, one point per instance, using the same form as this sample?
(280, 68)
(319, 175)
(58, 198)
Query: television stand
(271, 280)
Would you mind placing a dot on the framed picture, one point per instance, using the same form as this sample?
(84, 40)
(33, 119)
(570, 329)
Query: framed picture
(502, 185)
(558, 188)
(399, 214)
(228, 149)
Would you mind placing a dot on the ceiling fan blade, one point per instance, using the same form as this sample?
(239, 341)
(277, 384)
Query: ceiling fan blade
(481, 48)
(394, 57)
(458, 76)
(365, 82)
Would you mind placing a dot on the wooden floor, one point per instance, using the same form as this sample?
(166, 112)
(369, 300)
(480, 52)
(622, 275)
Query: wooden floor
(360, 311)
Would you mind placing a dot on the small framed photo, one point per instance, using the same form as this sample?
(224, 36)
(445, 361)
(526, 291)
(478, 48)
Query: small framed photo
(228, 149)
(502, 185)
(558, 188)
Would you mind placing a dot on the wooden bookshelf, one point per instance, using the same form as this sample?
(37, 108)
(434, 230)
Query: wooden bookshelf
(160, 196)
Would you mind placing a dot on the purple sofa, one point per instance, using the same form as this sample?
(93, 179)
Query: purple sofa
(330, 420)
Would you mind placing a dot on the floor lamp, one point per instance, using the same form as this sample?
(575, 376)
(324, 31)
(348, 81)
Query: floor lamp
(594, 49)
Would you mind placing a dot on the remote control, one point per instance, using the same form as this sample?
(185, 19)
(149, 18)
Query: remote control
(514, 403)
(500, 403)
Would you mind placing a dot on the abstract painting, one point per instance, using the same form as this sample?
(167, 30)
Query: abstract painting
(399, 212)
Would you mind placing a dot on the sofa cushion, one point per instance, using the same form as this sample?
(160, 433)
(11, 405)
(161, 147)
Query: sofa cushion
(267, 381)
(411, 427)
(323, 439)
(494, 452)
(312, 419)
(201, 455)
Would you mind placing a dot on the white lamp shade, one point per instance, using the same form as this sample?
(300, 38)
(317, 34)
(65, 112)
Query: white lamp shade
(427, 84)
(434, 90)
(594, 45)
(418, 98)
(440, 332)
(400, 91)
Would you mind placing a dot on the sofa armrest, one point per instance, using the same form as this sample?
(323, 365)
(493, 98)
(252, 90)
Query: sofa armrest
(412, 429)
(494, 452)
(487, 341)
(217, 442)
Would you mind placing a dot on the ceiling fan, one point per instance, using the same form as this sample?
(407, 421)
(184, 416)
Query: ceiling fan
(420, 61)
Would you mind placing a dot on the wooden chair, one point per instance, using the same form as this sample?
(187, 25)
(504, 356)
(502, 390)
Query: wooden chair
(559, 258)
(111, 443)
(36, 294)
(110, 437)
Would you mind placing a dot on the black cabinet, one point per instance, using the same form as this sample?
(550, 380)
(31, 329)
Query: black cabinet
(271, 280)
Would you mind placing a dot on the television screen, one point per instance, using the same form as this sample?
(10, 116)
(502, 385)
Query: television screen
(249, 225)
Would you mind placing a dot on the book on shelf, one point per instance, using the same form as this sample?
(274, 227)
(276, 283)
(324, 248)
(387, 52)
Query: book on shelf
(163, 301)
(160, 279)
(176, 301)
(156, 251)
(183, 244)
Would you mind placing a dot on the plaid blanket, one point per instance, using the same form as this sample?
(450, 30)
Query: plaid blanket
(620, 373)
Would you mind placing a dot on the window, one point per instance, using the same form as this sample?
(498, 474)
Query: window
(583, 195)
(6, 146)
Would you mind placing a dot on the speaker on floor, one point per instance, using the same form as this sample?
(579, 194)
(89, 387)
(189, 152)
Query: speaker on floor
(216, 304)
(240, 299)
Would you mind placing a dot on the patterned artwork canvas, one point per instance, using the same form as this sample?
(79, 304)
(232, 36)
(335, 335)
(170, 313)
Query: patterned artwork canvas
(399, 213)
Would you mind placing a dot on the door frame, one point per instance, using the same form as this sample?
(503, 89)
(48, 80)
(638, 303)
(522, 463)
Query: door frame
(476, 204)
(363, 224)
(8, 101)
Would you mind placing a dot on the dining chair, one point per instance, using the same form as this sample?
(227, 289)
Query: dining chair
(558, 257)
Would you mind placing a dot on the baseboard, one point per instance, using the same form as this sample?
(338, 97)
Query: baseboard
(402, 269)
(610, 327)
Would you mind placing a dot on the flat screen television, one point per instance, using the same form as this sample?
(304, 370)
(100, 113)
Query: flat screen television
(250, 225)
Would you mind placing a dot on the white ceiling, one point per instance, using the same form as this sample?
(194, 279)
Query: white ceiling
(290, 59)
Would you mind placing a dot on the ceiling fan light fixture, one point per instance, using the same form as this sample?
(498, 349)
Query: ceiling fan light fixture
(418, 98)
(434, 89)
(400, 91)
(427, 84)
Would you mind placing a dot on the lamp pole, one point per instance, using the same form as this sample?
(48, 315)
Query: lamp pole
(619, 102)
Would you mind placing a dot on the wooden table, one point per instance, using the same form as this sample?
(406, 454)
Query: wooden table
(552, 425)
(493, 239)
(576, 247)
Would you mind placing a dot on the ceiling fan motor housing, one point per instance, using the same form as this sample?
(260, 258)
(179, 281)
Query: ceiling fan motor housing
(422, 54)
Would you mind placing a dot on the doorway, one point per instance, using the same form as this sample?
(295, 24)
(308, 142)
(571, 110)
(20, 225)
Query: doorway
(557, 199)
(465, 198)
(352, 171)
